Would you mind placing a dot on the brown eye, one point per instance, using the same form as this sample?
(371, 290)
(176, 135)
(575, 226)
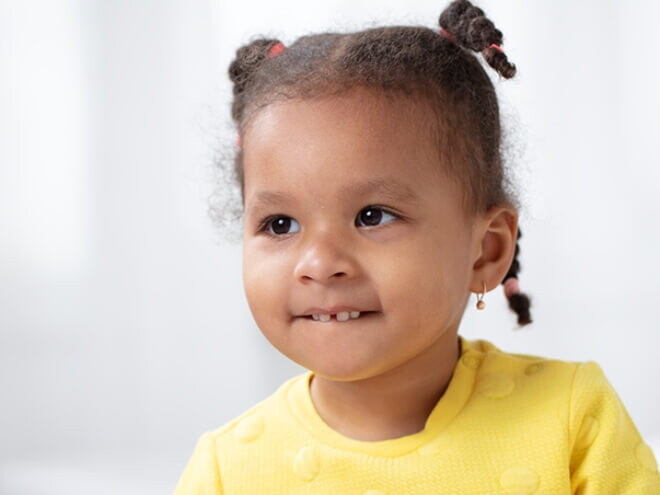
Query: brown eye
(283, 225)
(372, 216)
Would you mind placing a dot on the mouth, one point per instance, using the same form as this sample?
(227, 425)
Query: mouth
(341, 316)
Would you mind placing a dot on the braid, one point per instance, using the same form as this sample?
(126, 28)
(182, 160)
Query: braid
(518, 301)
(473, 30)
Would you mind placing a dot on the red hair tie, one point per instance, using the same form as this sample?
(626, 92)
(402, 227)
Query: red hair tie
(511, 287)
(497, 47)
(275, 50)
(446, 34)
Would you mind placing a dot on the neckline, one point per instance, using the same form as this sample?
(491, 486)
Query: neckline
(299, 400)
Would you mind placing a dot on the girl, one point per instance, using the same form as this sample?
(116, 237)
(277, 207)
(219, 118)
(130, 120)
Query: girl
(374, 203)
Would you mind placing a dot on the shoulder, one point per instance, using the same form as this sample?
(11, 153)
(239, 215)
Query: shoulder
(526, 388)
(573, 408)
(250, 424)
(231, 448)
(582, 380)
(492, 360)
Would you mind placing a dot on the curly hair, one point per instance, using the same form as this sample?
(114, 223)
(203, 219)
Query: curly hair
(410, 61)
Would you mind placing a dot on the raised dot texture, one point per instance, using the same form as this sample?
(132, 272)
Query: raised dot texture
(470, 361)
(438, 445)
(588, 432)
(645, 456)
(520, 480)
(374, 492)
(306, 464)
(533, 368)
(495, 385)
(249, 429)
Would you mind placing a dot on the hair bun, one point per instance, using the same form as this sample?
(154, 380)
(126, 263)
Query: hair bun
(248, 59)
(474, 31)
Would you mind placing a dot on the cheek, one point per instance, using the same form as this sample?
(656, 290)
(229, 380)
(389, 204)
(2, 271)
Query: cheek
(421, 281)
(265, 280)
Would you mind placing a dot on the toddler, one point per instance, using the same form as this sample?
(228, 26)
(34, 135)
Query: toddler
(375, 202)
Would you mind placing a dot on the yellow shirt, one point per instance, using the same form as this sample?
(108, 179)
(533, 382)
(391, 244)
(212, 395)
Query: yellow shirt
(507, 424)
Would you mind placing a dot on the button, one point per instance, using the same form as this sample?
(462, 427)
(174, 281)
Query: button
(249, 428)
(495, 385)
(520, 480)
(471, 361)
(306, 464)
(533, 368)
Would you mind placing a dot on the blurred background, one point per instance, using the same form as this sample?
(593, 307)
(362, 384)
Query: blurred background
(124, 332)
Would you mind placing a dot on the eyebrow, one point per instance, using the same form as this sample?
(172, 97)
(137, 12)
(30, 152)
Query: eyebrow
(389, 189)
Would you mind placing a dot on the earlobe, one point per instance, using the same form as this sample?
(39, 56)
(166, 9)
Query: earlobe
(497, 236)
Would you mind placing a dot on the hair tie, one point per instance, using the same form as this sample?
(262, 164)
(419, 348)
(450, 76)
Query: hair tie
(275, 50)
(446, 34)
(497, 47)
(511, 287)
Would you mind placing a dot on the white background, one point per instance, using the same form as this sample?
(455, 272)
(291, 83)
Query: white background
(124, 333)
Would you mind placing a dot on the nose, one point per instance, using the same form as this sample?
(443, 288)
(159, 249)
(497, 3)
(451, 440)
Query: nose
(324, 259)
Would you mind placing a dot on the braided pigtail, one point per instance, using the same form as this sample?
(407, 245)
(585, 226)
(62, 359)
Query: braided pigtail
(467, 26)
(518, 301)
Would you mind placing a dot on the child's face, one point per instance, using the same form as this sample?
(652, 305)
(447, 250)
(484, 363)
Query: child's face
(358, 217)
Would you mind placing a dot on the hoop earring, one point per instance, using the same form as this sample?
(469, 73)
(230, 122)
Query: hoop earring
(480, 298)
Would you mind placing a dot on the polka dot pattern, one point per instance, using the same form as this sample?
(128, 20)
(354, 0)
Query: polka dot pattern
(471, 361)
(249, 429)
(520, 480)
(533, 369)
(495, 385)
(492, 391)
(306, 464)
(645, 456)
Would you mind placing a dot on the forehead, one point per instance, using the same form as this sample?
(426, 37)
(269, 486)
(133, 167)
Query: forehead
(358, 137)
(370, 115)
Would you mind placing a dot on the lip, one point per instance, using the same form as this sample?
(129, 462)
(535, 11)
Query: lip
(332, 310)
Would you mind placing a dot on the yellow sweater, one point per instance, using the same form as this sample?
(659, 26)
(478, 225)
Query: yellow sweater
(507, 424)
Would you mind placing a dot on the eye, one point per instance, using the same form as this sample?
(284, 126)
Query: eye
(372, 216)
(281, 225)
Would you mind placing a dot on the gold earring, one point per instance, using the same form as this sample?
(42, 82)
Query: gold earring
(480, 298)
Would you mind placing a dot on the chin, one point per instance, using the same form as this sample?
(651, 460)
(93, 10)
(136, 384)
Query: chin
(345, 371)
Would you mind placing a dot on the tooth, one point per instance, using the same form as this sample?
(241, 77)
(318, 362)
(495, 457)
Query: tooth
(315, 317)
(355, 314)
(324, 318)
(343, 316)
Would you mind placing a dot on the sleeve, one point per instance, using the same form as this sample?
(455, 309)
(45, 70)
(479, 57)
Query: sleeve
(608, 455)
(201, 475)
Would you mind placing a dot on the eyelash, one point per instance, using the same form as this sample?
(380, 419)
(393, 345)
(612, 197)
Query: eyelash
(265, 224)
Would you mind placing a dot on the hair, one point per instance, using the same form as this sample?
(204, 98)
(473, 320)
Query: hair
(415, 62)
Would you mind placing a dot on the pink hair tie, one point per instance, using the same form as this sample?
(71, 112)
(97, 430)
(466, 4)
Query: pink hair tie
(511, 287)
(275, 50)
(446, 34)
(497, 47)
(238, 139)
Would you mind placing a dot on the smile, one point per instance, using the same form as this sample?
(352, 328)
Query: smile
(341, 316)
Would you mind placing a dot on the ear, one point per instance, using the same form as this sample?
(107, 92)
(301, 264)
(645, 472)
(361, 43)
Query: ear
(497, 234)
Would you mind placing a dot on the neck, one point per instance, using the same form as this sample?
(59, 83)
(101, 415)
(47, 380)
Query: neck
(390, 405)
